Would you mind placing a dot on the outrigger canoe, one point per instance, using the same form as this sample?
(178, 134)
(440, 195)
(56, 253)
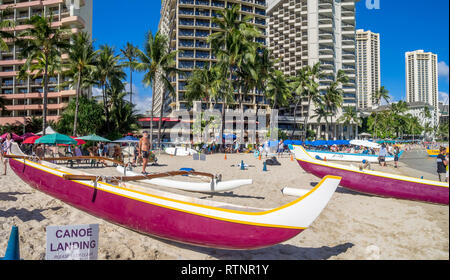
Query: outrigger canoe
(180, 151)
(323, 155)
(434, 153)
(214, 185)
(374, 182)
(174, 217)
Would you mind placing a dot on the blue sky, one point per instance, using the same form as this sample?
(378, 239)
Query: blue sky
(404, 25)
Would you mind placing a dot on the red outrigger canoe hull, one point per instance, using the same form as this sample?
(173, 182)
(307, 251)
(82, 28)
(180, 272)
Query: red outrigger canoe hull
(381, 186)
(153, 219)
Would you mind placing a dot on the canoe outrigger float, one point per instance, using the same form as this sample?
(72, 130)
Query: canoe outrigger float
(348, 157)
(434, 153)
(175, 217)
(214, 185)
(374, 182)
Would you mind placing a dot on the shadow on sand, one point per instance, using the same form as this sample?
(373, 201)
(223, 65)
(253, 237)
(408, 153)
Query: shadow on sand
(277, 252)
(26, 215)
(9, 196)
(230, 194)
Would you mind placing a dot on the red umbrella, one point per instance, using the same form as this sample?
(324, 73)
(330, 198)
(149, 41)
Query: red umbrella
(79, 142)
(31, 140)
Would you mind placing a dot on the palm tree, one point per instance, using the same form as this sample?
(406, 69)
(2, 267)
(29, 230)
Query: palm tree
(321, 112)
(234, 44)
(312, 90)
(5, 24)
(107, 71)
(129, 53)
(81, 65)
(350, 117)
(202, 85)
(379, 95)
(45, 44)
(158, 64)
(298, 86)
(278, 89)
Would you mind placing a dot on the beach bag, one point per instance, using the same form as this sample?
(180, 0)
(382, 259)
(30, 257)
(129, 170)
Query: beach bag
(273, 161)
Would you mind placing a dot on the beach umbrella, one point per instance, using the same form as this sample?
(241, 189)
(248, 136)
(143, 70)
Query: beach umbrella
(56, 138)
(14, 136)
(94, 138)
(79, 142)
(32, 139)
(27, 135)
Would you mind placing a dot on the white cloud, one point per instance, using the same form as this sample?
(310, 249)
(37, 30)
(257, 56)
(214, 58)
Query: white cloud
(443, 97)
(443, 70)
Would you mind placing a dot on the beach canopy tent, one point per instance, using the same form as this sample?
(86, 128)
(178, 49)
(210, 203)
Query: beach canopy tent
(32, 139)
(56, 138)
(364, 143)
(14, 136)
(48, 130)
(93, 138)
(127, 139)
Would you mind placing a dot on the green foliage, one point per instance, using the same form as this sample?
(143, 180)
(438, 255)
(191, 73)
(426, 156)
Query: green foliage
(90, 117)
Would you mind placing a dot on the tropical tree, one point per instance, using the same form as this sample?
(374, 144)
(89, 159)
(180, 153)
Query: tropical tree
(298, 85)
(350, 117)
(202, 85)
(312, 94)
(278, 89)
(130, 54)
(123, 116)
(334, 97)
(108, 70)
(90, 115)
(81, 67)
(157, 62)
(5, 26)
(45, 44)
(380, 95)
(321, 112)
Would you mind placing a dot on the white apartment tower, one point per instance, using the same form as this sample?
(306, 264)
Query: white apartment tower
(305, 32)
(367, 67)
(422, 78)
(188, 23)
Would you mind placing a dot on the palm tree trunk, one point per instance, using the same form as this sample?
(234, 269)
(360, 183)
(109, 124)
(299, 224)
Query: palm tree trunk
(151, 118)
(295, 117)
(75, 121)
(160, 120)
(131, 86)
(44, 106)
(305, 128)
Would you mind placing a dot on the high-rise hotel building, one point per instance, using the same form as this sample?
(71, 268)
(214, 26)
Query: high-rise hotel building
(305, 32)
(368, 70)
(188, 23)
(24, 99)
(422, 78)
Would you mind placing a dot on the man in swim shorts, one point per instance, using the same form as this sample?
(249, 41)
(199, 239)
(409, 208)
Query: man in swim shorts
(144, 148)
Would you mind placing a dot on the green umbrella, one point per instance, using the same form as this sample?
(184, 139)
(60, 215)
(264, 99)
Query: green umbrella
(56, 138)
(94, 138)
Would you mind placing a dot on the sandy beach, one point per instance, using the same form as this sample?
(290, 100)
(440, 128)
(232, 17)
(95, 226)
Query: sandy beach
(352, 227)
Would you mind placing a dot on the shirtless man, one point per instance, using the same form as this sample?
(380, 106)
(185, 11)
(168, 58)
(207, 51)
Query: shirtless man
(143, 149)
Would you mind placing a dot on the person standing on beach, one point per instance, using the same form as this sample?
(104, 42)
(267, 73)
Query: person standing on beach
(6, 150)
(396, 156)
(144, 148)
(382, 155)
(442, 164)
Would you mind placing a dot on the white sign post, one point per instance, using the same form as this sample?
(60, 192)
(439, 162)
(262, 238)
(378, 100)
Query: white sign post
(78, 242)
